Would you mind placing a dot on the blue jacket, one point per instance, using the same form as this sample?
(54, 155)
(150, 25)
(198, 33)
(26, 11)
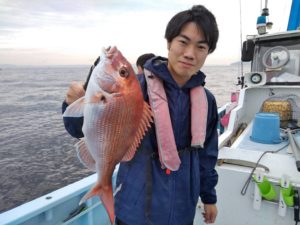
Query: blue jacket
(147, 191)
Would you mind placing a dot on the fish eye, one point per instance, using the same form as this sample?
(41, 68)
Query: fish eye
(123, 71)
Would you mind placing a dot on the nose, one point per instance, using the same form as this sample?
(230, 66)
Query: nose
(189, 52)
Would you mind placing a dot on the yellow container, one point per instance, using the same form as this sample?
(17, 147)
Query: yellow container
(282, 107)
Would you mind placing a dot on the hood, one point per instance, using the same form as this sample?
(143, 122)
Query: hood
(158, 66)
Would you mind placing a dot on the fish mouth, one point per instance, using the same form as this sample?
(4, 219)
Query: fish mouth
(110, 51)
(105, 50)
(108, 79)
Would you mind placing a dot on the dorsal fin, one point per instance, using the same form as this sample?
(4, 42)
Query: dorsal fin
(147, 118)
(84, 155)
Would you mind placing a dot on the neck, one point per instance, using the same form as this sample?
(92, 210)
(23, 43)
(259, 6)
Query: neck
(180, 80)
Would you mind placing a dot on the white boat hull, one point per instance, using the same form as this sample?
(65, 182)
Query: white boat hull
(237, 209)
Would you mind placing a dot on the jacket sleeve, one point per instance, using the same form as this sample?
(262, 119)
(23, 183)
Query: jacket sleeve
(209, 156)
(72, 124)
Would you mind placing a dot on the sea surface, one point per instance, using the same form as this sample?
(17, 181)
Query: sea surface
(37, 155)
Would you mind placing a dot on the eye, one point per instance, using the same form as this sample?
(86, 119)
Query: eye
(203, 47)
(123, 71)
(183, 42)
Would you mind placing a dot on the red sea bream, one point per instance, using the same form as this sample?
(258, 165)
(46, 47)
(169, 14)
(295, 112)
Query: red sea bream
(116, 118)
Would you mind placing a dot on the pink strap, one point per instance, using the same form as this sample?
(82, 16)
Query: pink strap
(199, 109)
(168, 154)
(167, 149)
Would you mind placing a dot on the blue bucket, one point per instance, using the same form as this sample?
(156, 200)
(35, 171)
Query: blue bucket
(266, 128)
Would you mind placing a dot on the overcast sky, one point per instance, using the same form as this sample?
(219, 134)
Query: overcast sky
(39, 32)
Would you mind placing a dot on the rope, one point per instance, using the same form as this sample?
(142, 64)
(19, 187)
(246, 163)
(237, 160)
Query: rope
(246, 185)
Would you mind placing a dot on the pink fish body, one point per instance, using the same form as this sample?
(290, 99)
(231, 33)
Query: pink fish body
(116, 118)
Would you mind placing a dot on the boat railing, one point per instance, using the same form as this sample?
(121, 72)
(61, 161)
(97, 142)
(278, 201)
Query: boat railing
(60, 207)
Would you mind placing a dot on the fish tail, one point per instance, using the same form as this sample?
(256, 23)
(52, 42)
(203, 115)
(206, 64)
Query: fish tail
(106, 196)
(108, 202)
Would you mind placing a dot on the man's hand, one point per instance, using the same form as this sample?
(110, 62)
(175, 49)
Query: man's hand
(75, 92)
(210, 213)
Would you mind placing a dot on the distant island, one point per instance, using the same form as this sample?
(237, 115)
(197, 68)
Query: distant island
(239, 63)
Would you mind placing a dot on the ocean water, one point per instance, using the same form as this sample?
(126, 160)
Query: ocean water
(37, 155)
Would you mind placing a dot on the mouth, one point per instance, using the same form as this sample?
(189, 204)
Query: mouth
(110, 51)
(107, 49)
(186, 64)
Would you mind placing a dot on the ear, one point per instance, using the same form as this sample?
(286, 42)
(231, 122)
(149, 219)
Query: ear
(140, 69)
(168, 45)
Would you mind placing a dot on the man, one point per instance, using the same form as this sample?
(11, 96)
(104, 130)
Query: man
(152, 189)
(141, 60)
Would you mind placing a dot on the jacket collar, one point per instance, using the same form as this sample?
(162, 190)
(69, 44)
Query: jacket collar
(158, 66)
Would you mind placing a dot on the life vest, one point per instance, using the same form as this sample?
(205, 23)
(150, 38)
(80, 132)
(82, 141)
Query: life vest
(167, 150)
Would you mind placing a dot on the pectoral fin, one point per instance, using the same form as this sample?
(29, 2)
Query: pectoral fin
(75, 109)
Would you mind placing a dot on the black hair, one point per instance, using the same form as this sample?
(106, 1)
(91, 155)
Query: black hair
(141, 60)
(204, 19)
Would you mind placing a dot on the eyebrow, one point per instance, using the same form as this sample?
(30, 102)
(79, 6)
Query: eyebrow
(186, 37)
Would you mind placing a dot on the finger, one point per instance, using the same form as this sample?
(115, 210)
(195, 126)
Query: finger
(208, 218)
(77, 87)
(74, 92)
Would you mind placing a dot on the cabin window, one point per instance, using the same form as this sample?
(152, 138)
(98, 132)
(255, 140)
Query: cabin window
(279, 60)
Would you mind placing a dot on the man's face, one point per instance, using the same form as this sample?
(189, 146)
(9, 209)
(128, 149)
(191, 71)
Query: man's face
(187, 53)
